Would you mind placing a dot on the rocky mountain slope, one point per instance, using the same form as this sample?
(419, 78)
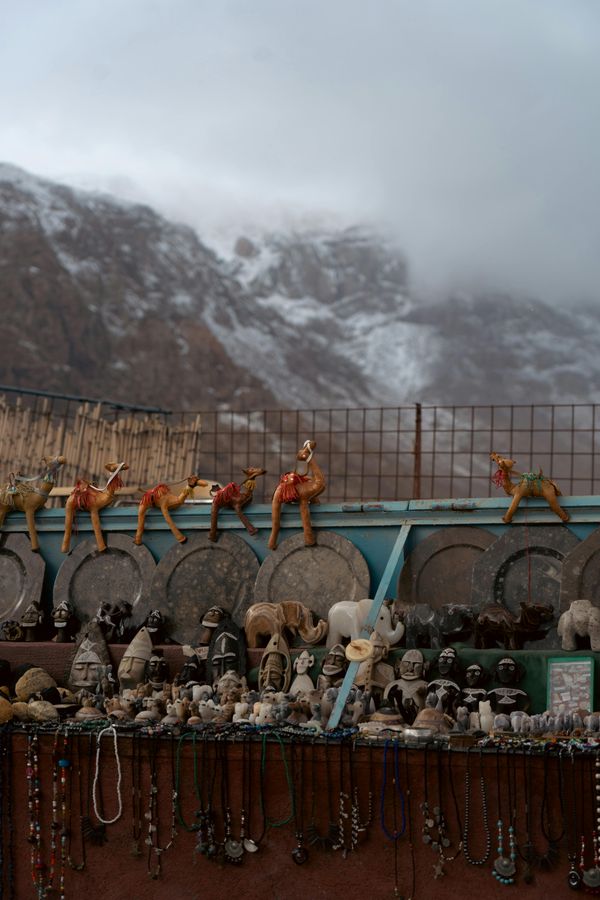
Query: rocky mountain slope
(109, 299)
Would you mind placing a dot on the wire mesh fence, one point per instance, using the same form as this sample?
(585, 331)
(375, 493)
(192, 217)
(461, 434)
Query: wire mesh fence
(384, 453)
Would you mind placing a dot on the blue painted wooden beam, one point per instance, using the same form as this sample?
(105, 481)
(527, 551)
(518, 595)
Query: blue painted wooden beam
(382, 591)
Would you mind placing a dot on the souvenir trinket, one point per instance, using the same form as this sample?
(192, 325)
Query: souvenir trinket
(236, 497)
(227, 650)
(304, 489)
(508, 698)
(27, 495)
(289, 617)
(132, 668)
(111, 618)
(89, 497)
(212, 617)
(31, 621)
(373, 674)
(474, 691)
(65, 622)
(530, 484)
(333, 668)
(409, 690)
(347, 619)
(275, 670)
(497, 626)
(302, 683)
(91, 654)
(580, 620)
(162, 497)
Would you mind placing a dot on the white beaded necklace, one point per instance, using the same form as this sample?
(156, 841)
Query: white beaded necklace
(109, 728)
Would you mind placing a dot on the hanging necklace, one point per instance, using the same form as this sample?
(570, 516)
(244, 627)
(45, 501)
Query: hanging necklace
(206, 842)
(136, 794)
(443, 841)
(486, 830)
(76, 776)
(151, 815)
(6, 816)
(574, 875)
(395, 833)
(591, 877)
(505, 866)
(96, 834)
(110, 729)
(527, 851)
(41, 882)
(313, 837)
(234, 849)
(250, 846)
(61, 775)
(343, 797)
(299, 853)
(361, 824)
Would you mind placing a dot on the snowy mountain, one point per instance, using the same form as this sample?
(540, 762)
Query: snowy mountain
(109, 299)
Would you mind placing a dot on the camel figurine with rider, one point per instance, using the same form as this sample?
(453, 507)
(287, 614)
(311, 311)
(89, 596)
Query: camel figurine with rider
(27, 495)
(90, 497)
(304, 489)
(530, 484)
(163, 498)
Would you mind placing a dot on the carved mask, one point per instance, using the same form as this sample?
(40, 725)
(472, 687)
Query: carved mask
(411, 665)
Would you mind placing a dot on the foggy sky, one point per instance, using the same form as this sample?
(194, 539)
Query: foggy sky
(468, 129)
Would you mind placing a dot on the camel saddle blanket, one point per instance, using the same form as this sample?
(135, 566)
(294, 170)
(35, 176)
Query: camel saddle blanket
(288, 484)
(152, 497)
(226, 495)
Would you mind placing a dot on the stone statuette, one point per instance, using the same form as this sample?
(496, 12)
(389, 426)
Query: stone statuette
(132, 668)
(275, 668)
(91, 654)
(288, 617)
(302, 683)
(409, 690)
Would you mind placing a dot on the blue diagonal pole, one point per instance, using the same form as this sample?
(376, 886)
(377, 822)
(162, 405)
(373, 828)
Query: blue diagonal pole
(382, 591)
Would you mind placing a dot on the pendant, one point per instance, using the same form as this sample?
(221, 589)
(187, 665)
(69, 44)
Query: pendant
(574, 879)
(250, 846)
(504, 867)
(300, 855)
(591, 877)
(233, 851)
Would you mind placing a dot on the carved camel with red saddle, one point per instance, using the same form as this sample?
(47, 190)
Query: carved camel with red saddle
(164, 499)
(89, 497)
(531, 484)
(235, 496)
(304, 489)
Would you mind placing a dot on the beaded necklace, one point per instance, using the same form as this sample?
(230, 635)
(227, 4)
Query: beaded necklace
(110, 729)
(152, 839)
(590, 878)
(41, 882)
(527, 851)
(76, 776)
(486, 830)
(250, 846)
(313, 836)
(234, 849)
(6, 813)
(299, 853)
(505, 865)
(395, 833)
(574, 875)
(443, 841)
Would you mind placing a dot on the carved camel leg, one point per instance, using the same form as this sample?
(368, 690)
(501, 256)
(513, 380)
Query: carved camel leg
(309, 537)
(142, 510)
(176, 532)
(3, 512)
(30, 517)
(549, 495)
(517, 497)
(275, 520)
(95, 517)
(244, 520)
(214, 519)
(68, 527)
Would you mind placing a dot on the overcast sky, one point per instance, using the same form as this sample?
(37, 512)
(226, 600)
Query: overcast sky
(467, 128)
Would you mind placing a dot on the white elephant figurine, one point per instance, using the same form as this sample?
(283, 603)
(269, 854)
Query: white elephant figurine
(581, 619)
(347, 619)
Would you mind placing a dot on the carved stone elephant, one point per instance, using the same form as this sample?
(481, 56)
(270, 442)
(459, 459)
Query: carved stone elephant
(435, 628)
(581, 619)
(347, 619)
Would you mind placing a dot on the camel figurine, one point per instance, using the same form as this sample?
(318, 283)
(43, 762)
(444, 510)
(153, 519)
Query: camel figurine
(303, 488)
(27, 495)
(88, 496)
(235, 496)
(530, 484)
(164, 499)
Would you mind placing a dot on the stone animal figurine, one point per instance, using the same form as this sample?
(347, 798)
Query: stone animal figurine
(111, 618)
(162, 497)
(263, 620)
(235, 496)
(495, 625)
(435, 628)
(581, 619)
(27, 495)
(530, 484)
(89, 497)
(347, 619)
(304, 489)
